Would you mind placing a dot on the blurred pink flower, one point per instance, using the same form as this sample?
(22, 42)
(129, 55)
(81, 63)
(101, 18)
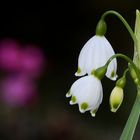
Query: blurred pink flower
(26, 62)
(9, 55)
(17, 90)
(32, 61)
(22, 59)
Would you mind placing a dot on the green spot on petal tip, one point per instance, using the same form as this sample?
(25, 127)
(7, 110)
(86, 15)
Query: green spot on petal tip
(112, 74)
(79, 70)
(73, 99)
(115, 107)
(84, 106)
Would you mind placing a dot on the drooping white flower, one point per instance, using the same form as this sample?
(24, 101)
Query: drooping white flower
(95, 54)
(87, 93)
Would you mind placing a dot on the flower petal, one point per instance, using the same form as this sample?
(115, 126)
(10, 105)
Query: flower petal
(87, 90)
(95, 54)
(112, 68)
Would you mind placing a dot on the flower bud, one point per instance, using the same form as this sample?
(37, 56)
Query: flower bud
(116, 98)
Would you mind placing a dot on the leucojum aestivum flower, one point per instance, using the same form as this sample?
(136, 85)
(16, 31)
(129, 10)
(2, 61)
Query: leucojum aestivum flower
(97, 59)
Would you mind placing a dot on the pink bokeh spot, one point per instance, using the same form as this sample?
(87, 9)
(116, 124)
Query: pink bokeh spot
(9, 55)
(24, 59)
(17, 90)
(23, 64)
(32, 60)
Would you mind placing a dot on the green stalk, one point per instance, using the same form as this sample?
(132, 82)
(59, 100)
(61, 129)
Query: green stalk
(128, 60)
(132, 121)
(129, 29)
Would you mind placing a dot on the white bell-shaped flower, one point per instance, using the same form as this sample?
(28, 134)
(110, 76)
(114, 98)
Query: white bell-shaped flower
(87, 93)
(95, 54)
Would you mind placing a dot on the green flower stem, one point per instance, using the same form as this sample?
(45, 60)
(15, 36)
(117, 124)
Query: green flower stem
(125, 72)
(123, 21)
(128, 60)
(132, 121)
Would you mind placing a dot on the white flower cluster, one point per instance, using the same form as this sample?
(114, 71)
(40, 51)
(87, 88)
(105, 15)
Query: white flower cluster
(87, 91)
